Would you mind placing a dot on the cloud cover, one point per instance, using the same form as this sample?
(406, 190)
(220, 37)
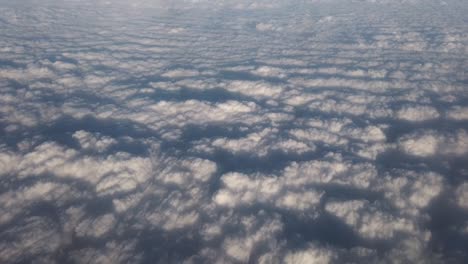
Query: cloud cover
(233, 131)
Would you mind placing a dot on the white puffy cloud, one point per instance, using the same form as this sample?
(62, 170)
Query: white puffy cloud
(8, 162)
(268, 71)
(259, 144)
(240, 247)
(114, 173)
(461, 195)
(367, 220)
(332, 170)
(242, 190)
(180, 73)
(297, 188)
(411, 191)
(417, 113)
(265, 27)
(431, 143)
(343, 133)
(311, 254)
(14, 201)
(177, 211)
(316, 135)
(89, 141)
(256, 90)
(420, 145)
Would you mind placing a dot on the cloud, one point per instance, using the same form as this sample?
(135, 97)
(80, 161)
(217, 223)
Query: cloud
(242, 190)
(411, 191)
(118, 172)
(113, 251)
(180, 73)
(240, 248)
(254, 89)
(27, 240)
(458, 113)
(310, 255)
(96, 227)
(260, 144)
(15, 201)
(94, 142)
(332, 170)
(430, 143)
(268, 71)
(248, 131)
(417, 113)
(462, 195)
(368, 221)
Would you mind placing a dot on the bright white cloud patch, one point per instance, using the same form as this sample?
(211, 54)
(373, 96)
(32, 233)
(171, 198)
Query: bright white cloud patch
(417, 113)
(333, 170)
(263, 143)
(243, 190)
(95, 142)
(411, 191)
(237, 131)
(254, 89)
(462, 195)
(431, 143)
(310, 255)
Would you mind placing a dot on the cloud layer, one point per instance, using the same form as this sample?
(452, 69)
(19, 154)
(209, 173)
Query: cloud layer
(233, 131)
